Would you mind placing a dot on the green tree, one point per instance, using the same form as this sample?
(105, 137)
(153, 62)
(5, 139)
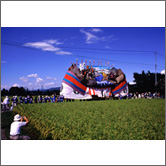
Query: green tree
(4, 92)
(145, 82)
(13, 91)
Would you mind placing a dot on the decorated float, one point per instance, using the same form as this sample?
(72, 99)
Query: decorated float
(89, 82)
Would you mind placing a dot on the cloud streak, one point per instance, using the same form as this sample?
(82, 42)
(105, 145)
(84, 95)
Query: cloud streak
(44, 46)
(50, 78)
(32, 75)
(33, 80)
(48, 45)
(24, 79)
(63, 53)
(96, 30)
(49, 84)
(92, 36)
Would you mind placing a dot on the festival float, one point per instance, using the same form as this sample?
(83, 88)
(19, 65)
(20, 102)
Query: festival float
(92, 82)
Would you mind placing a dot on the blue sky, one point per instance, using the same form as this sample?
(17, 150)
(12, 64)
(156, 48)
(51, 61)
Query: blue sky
(36, 57)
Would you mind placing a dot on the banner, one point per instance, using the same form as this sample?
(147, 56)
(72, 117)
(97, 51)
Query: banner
(120, 87)
(71, 80)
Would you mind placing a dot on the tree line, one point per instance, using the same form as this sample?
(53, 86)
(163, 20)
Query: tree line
(145, 82)
(21, 91)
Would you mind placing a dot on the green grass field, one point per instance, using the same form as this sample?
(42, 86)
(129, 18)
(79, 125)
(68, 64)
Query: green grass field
(139, 119)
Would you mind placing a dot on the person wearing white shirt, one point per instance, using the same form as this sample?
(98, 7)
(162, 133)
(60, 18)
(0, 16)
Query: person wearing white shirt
(6, 102)
(15, 128)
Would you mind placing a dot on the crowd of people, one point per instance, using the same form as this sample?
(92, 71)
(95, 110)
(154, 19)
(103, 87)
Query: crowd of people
(146, 95)
(9, 104)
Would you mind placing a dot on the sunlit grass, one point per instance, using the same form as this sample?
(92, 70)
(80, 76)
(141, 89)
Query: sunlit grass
(141, 119)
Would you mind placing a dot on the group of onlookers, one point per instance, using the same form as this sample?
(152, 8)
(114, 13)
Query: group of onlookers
(146, 95)
(7, 104)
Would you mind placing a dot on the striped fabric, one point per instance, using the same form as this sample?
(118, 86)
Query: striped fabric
(71, 80)
(119, 87)
(95, 91)
(92, 91)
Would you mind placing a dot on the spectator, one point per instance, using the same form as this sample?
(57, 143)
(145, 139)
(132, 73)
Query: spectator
(52, 99)
(21, 101)
(6, 103)
(45, 99)
(35, 99)
(60, 98)
(139, 96)
(128, 96)
(142, 96)
(15, 101)
(31, 100)
(49, 99)
(26, 100)
(150, 95)
(12, 100)
(15, 128)
(120, 97)
(39, 99)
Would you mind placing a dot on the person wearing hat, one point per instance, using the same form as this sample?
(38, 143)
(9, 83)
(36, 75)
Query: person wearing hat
(15, 128)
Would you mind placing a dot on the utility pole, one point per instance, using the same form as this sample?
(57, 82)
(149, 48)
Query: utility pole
(155, 70)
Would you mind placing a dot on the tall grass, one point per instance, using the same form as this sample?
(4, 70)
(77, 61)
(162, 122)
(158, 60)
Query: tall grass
(141, 119)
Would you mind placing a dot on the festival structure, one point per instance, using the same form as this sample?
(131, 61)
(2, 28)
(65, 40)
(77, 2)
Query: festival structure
(88, 82)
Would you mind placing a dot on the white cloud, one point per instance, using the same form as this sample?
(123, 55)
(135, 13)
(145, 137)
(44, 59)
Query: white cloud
(53, 41)
(39, 80)
(49, 84)
(44, 46)
(90, 38)
(29, 84)
(50, 78)
(33, 75)
(132, 83)
(24, 79)
(15, 85)
(63, 53)
(163, 71)
(96, 30)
